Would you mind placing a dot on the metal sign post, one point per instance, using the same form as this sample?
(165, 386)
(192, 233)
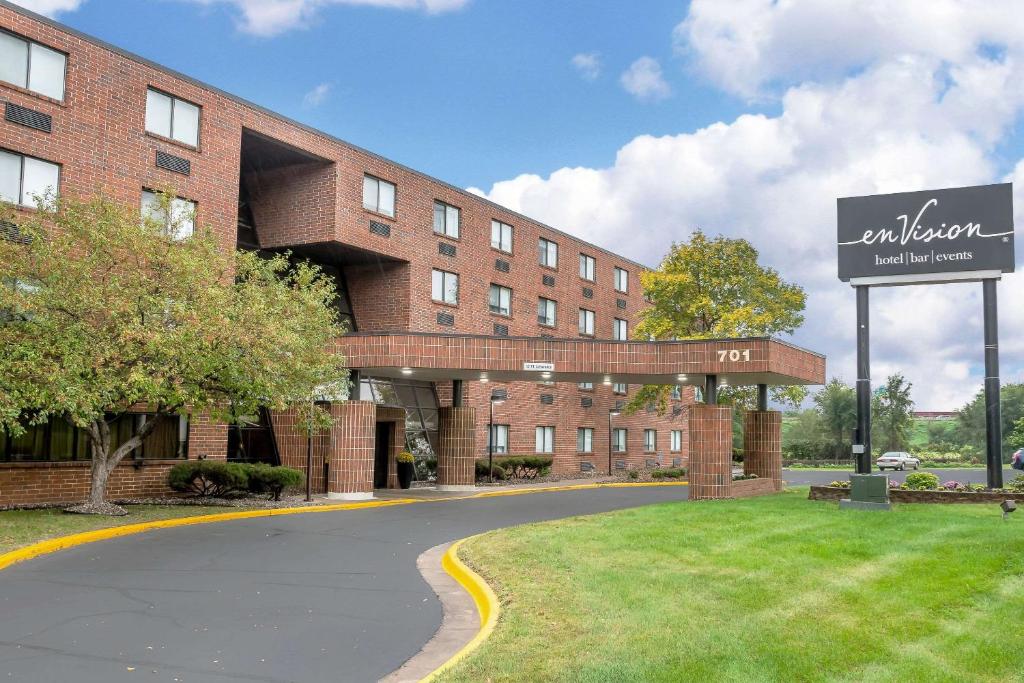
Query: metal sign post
(993, 418)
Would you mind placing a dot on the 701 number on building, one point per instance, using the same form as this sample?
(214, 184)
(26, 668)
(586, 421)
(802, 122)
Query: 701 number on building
(734, 355)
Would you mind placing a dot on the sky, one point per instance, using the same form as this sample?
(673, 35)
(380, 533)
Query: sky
(631, 124)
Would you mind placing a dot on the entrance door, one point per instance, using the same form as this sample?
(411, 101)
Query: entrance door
(382, 448)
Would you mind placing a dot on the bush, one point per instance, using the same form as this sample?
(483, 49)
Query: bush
(1017, 485)
(273, 480)
(744, 477)
(483, 471)
(922, 481)
(837, 484)
(668, 473)
(525, 466)
(633, 474)
(209, 478)
(952, 486)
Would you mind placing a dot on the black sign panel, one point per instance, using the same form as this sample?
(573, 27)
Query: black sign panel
(926, 233)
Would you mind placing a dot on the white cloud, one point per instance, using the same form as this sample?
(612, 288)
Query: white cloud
(316, 96)
(644, 80)
(904, 121)
(271, 17)
(588, 64)
(50, 8)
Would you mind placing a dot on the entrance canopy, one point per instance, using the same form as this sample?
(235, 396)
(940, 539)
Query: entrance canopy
(437, 357)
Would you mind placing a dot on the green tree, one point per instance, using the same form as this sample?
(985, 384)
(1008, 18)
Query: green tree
(836, 404)
(1016, 438)
(715, 288)
(970, 427)
(106, 311)
(892, 414)
(804, 436)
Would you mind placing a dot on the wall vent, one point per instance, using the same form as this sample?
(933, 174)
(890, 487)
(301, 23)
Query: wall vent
(620, 464)
(549, 280)
(586, 466)
(619, 405)
(12, 233)
(586, 402)
(382, 229)
(588, 293)
(445, 249)
(676, 462)
(172, 163)
(502, 265)
(446, 319)
(651, 463)
(621, 303)
(547, 336)
(547, 399)
(500, 330)
(28, 117)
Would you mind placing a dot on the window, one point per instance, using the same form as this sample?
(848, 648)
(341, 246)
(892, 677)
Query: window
(548, 253)
(620, 330)
(181, 222)
(586, 386)
(585, 440)
(586, 322)
(620, 389)
(23, 179)
(445, 287)
(378, 195)
(32, 66)
(588, 267)
(650, 440)
(677, 392)
(446, 219)
(676, 444)
(546, 312)
(172, 118)
(501, 300)
(57, 440)
(499, 437)
(621, 280)
(545, 440)
(501, 236)
(619, 440)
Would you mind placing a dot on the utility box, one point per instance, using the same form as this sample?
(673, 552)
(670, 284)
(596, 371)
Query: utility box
(867, 492)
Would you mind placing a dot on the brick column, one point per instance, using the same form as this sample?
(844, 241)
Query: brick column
(456, 458)
(350, 455)
(710, 451)
(762, 445)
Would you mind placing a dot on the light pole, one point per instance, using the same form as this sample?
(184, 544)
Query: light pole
(612, 412)
(497, 396)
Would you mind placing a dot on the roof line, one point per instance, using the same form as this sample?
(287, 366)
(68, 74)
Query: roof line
(281, 117)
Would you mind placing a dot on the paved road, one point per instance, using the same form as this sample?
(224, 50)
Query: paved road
(798, 477)
(331, 596)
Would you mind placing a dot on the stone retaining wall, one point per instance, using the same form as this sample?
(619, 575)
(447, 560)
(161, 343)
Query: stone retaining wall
(904, 496)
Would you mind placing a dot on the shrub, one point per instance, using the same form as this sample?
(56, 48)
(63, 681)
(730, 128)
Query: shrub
(525, 466)
(837, 484)
(273, 480)
(952, 486)
(483, 471)
(669, 473)
(922, 481)
(209, 477)
(744, 477)
(1017, 485)
(405, 456)
(633, 474)
(655, 474)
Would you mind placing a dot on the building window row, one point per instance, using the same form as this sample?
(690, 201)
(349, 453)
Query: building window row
(30, 65)
(498, 439)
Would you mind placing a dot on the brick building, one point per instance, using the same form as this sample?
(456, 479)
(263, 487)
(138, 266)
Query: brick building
(412, 256)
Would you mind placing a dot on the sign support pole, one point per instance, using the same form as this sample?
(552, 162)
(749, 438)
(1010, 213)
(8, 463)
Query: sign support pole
(993, 418)
(863, 381)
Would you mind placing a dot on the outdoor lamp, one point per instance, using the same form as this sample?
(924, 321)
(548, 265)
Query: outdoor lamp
(1007, 507)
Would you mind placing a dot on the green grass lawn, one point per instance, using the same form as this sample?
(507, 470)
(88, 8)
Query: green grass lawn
(765, 589)
(22, 527)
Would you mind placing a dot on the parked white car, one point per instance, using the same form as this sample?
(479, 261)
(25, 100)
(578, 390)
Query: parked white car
(897, 460)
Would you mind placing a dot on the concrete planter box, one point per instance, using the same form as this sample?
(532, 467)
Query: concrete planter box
(745, 488)
(903, 496)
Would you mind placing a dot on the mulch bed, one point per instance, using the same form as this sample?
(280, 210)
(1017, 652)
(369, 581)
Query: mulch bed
(905, 496)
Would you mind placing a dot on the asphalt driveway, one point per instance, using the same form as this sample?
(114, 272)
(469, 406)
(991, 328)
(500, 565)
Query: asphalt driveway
(331, 596)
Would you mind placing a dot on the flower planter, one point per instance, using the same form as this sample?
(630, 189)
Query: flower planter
(905, 496)
(405, 472)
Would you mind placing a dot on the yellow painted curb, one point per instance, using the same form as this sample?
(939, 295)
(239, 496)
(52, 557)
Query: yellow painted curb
(487, 605)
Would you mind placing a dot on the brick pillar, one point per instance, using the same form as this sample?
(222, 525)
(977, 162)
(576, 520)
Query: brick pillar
(350, 455)
(710, 436)
(762, 445)
(456, 458)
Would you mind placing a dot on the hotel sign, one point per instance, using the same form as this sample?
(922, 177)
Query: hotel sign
(538, 367)
(929, 236)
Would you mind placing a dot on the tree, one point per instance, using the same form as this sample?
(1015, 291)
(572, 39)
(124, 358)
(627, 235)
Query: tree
(836, 404)
(892, 410)
(804, 436)
(715, 288)
(970, 427)
(1016, 438)
(106, 312)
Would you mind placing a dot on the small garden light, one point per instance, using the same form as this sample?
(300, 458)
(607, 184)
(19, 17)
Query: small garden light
(1007, 506)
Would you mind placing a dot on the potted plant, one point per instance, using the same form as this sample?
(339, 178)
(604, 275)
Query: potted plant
(406, 465)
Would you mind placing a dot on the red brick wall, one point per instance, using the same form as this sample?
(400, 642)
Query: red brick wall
(762, 445)
(68, 482)
(710, 451)
(380, 295)
(293, 204)
(352, 447)
(456, 464)
(292, 445)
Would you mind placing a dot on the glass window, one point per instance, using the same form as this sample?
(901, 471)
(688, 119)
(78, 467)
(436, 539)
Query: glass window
(57, 440)
(620, 388)
(619, 440)
(378, 195)
(501, 236)
(501, 300)
(677, 440)
(548, 251)
(677, 392)
(545, 440)
(445, 287)
(585, 440)
(650, 440)
(621, 280)
(620, 330)
(24, 179)
(586, 386)
(446, 219)
(172, 117)
(586, 322)
(499, 437)
(181, 222)
(588, 267)
(10, 176)
(27, 64)
(546, 312)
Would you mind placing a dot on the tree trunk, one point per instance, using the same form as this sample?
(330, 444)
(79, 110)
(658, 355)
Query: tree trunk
(103, 460)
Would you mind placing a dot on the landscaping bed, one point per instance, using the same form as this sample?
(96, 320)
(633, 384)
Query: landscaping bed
(908, 496)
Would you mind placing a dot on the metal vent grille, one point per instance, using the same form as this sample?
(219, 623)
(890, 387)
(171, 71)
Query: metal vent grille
(547, 336)
(620, 464)
(547, 399)
(382, 229)
(445, 249)
(446, 319)
(586, 402)
(619, 405)
(500, 330)
(549, 280)
(621, 303)
(11, 233)
(676, 462)
(502, 265)
(588, 293)
(173, 163)
(500, 394)
(586, 467)
(28, 117)
(677, 410)
(651, 463)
